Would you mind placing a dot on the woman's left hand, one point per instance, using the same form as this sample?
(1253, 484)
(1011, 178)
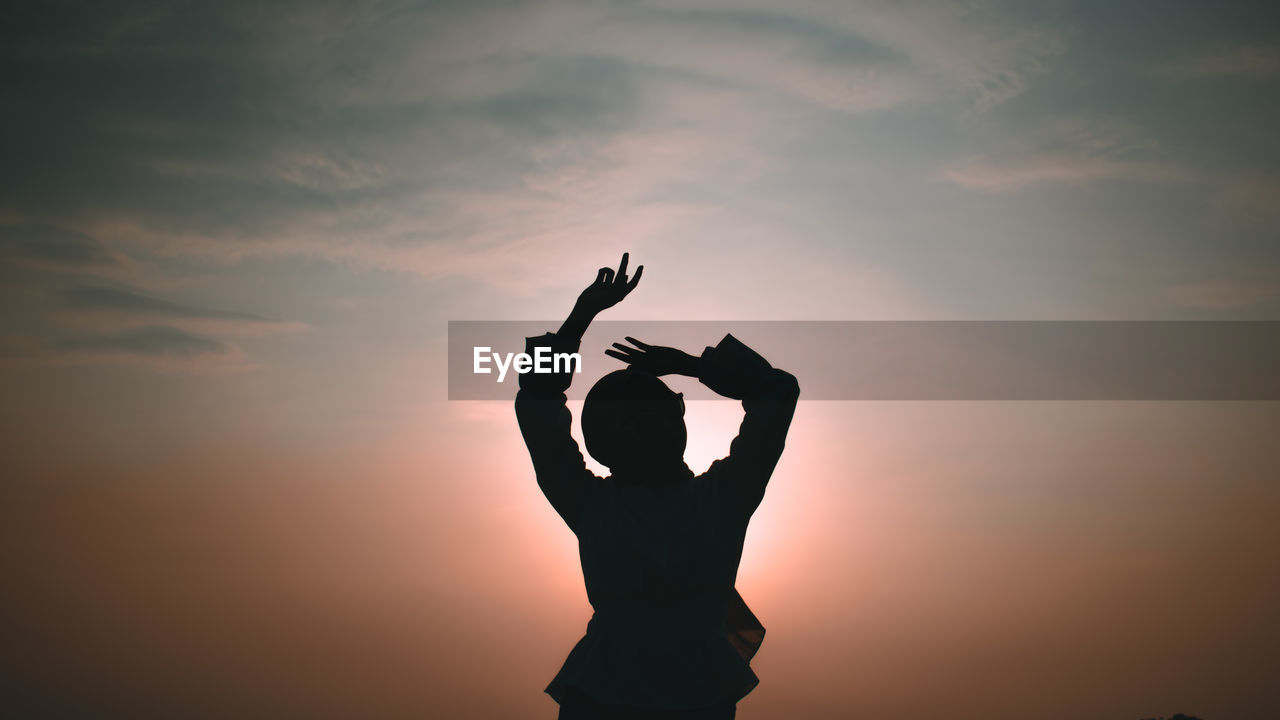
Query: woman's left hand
(655, 359)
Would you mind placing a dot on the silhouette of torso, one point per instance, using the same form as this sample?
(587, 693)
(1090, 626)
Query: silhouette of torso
(660, 555)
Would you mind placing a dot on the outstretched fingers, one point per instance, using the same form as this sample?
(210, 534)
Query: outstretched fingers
(610, 286)
(628, 359)
(637, 343)
(629, 355)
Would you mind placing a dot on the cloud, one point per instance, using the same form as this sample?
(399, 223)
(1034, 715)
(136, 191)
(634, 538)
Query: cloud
(784, 57)
(57, 310)
(427, 138)
(949, 49)
(154, 348)
(1250, 62)
(105, 298)
(123, 308)
(1074, 150)
(49, 246)
(149, 342)
(1015, 172)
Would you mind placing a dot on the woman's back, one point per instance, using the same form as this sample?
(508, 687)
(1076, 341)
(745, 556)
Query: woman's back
(659, 560)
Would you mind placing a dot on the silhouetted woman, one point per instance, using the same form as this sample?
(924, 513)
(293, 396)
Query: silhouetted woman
(660, 547)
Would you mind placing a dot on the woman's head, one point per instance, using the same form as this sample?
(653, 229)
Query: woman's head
(631, 419)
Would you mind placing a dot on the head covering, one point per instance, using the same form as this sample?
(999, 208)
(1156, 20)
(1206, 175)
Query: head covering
(615, 399)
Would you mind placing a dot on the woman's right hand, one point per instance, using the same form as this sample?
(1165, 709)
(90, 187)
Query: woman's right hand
(609, 288)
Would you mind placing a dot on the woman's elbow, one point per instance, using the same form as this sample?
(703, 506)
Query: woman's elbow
(787, 383)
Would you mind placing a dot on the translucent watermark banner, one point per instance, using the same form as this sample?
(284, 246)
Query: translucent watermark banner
(915, 360)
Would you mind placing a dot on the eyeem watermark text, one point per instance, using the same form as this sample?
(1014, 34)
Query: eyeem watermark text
(1143, 360)
(542, 361)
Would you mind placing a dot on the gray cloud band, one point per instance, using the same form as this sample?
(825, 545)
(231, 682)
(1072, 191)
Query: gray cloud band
(924, 360)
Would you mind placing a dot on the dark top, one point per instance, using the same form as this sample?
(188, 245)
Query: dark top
(660, 555)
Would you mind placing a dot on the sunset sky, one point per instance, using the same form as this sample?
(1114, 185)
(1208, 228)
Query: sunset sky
(232, 235)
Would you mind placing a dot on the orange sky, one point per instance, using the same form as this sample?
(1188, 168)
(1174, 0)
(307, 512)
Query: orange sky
(1066, 559)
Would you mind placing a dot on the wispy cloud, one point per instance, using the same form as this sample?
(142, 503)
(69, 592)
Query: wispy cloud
(118, 307)
(160, 349)
(64, 305)
(941, 50)
(1017, 171)
(424, 140)
(48, 246)
(789, 57)
(1252, 62)
(468, 142)
(1069, 150)
(147, 342)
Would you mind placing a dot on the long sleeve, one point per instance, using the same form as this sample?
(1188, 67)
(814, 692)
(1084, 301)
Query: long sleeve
(544, 420)
(769, 398)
